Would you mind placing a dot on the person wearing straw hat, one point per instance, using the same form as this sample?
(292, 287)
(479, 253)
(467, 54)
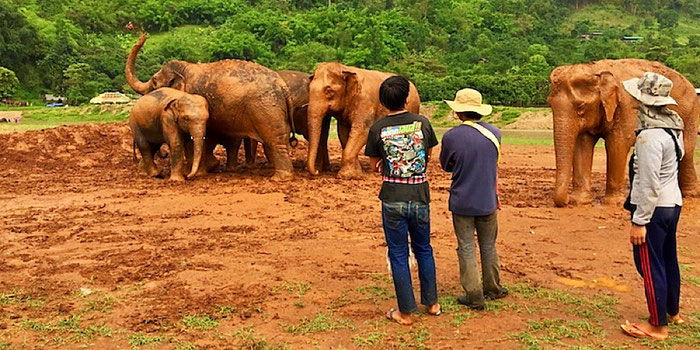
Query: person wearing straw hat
(471, 152)
(655, 202)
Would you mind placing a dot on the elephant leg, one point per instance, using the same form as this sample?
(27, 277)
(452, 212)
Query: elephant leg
(583, 163)
(277, 151)
(251, 151)
(350, 165)
(189, 153)
(209, 162)
(148, 151)
(176, 145)
(343, 134)
(617, 150)
(232, 147)
(323, 161)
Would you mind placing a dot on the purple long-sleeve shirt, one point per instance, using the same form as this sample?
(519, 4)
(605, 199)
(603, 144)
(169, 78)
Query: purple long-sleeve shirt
(473, 161)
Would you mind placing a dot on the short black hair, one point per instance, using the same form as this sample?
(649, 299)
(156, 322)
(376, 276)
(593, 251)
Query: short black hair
(469, 115)
(393, 92)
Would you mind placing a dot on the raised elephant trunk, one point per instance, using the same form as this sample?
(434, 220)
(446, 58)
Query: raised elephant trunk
(564, 145)
(198, 134)
(314, 121)
(136, 84)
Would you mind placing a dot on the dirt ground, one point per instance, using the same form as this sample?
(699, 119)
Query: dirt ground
(96, 255)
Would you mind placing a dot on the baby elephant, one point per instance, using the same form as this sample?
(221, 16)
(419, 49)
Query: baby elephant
(169, 115)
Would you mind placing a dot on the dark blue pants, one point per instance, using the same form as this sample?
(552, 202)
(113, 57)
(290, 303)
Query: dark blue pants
(657, 262)
(401, 219)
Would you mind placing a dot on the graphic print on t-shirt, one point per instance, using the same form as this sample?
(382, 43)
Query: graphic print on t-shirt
(405, 152)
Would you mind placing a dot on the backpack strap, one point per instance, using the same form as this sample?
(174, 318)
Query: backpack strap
(488, 134)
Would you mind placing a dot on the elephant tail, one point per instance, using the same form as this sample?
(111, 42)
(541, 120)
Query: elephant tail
(133, 149)
(290, 112)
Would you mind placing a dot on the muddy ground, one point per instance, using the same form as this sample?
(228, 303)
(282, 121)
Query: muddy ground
(96, 255)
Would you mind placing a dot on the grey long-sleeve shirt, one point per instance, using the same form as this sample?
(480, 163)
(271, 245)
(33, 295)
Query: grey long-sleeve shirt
(656, 174)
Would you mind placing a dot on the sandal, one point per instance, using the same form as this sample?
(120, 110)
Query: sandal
(390, 316)
(634, 330)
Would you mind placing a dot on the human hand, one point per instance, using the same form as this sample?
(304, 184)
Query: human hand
(638, 234)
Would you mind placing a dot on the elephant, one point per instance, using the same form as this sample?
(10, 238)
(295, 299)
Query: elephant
(588, 103)
(298, 83)
(166, 116)
(351, 95)
(245, 100)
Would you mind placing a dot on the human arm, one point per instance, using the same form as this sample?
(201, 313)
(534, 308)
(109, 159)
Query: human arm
(446, 155)
(647, 182)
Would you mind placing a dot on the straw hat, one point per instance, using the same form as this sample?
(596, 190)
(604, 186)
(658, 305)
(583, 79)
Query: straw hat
(651, 89)
(469, 100)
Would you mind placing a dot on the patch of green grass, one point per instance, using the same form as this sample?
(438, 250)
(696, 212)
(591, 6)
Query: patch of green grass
(39, 117)
(414, 338)
(225, 310)
(103, 304)
(297, 288)
(71, 325)
(323, 322)
(375, 293)
(585, 307)
(139, 339)
(551, 332)
(370, 339)
(685, 267)
(249, 341)
(459, 318)
(202, 322)
(17, 296)
(691, 279)
(449, 304)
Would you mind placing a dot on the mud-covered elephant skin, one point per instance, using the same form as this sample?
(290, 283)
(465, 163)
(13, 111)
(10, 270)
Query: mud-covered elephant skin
(298, 83)
(169, 116)
(589, 103)
(351, 96)
(245, 100)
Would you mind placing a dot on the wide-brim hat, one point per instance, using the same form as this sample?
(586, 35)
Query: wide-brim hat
(469, 100)
(651, 89)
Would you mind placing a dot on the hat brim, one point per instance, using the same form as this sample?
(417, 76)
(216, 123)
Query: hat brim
(631, 87)
(460, 107)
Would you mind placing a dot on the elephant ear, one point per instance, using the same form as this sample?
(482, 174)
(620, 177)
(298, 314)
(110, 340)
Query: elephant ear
(353, 86)
(608, 88)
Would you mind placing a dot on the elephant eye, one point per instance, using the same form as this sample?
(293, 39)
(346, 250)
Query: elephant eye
(329, 92)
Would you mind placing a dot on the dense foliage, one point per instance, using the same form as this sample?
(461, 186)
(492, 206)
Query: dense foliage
(506, 48)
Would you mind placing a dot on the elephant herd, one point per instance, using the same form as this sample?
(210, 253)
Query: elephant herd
(240, 100)
(244, 100)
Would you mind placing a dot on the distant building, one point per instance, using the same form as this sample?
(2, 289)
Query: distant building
(110, 98)
(10, 117)
(631, 38)
(49, 98)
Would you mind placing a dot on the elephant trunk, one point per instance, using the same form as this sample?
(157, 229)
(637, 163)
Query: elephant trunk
(564, 145)
(198, 134)
(136, 84)
(314, 121)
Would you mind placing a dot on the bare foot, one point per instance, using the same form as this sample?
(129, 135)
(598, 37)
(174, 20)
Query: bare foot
(435, 309)
(676, 319)
(645, 330)
(399, 317)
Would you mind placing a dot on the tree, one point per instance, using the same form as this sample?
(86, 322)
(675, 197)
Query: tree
(82, 83)
(667, 18)
(8, 82)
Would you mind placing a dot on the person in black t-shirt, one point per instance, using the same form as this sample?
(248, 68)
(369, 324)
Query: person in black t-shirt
(399, 147)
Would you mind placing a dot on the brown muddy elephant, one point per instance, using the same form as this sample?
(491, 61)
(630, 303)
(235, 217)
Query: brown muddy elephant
(351, 95)
(298, 83)
(245, 100)
(589, 103)
(169, 116)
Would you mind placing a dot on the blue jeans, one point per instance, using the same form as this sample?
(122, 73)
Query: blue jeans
(401, 219)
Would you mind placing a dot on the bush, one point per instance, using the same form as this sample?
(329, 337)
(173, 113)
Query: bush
(8, 82)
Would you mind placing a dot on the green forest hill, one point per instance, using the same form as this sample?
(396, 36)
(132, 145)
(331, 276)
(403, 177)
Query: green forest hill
(505, 48)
